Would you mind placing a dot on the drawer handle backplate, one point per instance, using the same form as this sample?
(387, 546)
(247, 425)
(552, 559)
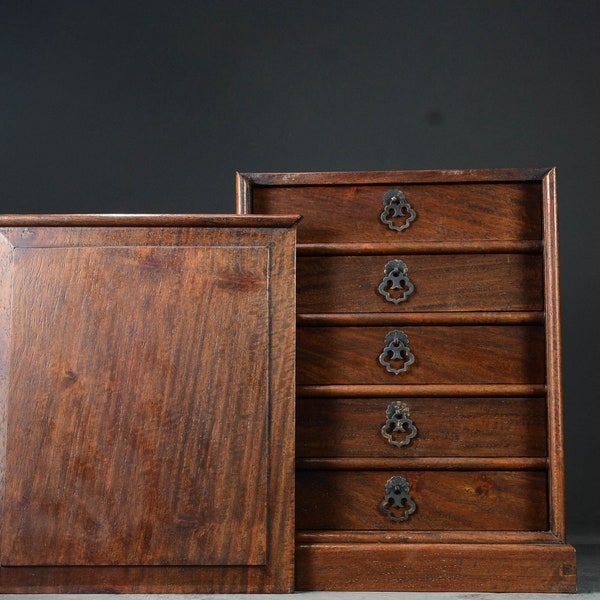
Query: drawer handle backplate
(396, 348)
(395, 277)
(398, 422)
(396, 206)
(397, 497)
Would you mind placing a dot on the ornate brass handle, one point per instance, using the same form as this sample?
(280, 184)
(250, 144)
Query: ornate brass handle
(396, 348)
(395, 277)
(398, 422)
(397, 497)
(395, 206)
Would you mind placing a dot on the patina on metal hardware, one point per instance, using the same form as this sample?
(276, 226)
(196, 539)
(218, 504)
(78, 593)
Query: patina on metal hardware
(397, 497)
(398, 422)
(396, 348)
(395, 206)
(395, 277)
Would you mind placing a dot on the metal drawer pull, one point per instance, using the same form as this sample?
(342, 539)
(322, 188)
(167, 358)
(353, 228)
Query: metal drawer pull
(396, 348)
(396, 206)
(398, 422)
(395, 277)
(397, 497)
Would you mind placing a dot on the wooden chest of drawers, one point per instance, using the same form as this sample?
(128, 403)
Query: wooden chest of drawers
(146, 444)
(429, 410)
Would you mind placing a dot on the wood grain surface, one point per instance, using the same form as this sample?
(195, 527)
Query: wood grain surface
(148, 443)
(351, 213)
(351, 427)
(523, 567)
(445, 500)
(452, 282)
(443, 355)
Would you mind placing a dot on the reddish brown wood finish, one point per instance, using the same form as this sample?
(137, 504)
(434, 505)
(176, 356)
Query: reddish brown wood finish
(452, 282)
(464, 567)
(469, 354)
(478, 229)
(351, 427)
(445, 500)
(343, 213)
(144, 435)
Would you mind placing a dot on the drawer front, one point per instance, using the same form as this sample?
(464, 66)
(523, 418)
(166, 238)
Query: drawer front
(424, 427)
(451, 282)
(440, 355)
(450, 212)
(450, 501)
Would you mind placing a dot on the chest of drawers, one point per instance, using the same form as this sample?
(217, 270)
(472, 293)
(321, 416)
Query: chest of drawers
(146, 443)
(429, 413)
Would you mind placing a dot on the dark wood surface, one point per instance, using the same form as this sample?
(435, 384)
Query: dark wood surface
(144, 434)
(445, 500)
(451, 282)
(474, 338)
(465, 354)
(351, 427)
(343, 213)
(464, 567)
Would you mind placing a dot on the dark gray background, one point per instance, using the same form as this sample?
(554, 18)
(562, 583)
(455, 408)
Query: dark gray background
(147, 106)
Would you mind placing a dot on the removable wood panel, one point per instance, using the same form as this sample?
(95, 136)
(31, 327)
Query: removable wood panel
(485, 427)
(459, 211)
(445, 500)
(121, 393)
(142, 427)
(460, 354)
(450, 282)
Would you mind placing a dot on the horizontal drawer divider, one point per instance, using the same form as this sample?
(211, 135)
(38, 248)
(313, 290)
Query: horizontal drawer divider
(440, 537)
(462, 247)
(422, 391)
(420, 464)
(422, 318)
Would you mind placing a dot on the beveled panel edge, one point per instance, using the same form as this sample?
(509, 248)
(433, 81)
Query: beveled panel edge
(147, 220)
(247, 180)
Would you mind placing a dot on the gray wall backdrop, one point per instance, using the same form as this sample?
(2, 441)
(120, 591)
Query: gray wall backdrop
(151, 106)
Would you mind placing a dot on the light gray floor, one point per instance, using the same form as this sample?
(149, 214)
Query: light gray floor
(588, 581)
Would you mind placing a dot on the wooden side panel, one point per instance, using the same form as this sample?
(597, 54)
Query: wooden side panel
(145, 432)
(469, 354)
(127, 401)
(445, 500)
(451, 282)
(478, 427)
(352, 213)
(436, 567)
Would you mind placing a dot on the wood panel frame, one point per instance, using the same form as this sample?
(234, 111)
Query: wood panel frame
(277, 234)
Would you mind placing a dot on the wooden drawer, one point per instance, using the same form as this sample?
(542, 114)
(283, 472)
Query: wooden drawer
(448, 282)
(442, 355)
(449, 501)
(458, 211)
(477, 427)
